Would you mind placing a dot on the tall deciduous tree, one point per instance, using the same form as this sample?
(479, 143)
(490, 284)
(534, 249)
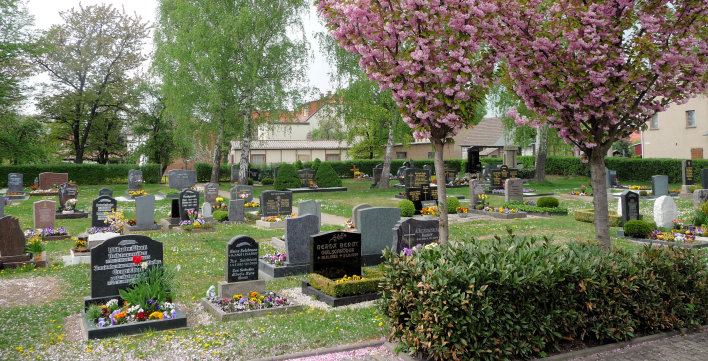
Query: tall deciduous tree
(430, 57)
(598, 70)
(155, 128)
(224, 61)
(91, 59)
(16, 43)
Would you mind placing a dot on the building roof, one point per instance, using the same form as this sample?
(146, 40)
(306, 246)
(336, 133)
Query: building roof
(292, 144)
(489, 132)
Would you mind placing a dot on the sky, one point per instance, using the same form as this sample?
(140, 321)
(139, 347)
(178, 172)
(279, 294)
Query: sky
(46, 13)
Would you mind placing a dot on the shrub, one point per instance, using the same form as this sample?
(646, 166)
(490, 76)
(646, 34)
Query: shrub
(298, 165)
(204, 172)
(535, 209)
(452, 204)
(267, 181)
(250, 181)
(547, 202)
(588, 216)
(637, 229)
(326, 176)
(82, 174)
(513, 298)
(643, 193)
(704, 208)
(316, 164)
(287, 178)
(699, 218)
(407, 208)
(328, 286)
(221, 215)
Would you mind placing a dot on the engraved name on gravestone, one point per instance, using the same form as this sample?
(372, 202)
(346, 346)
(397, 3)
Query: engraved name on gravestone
(411, 232)
(67, 191)
(134, 176)
(630, 206)
(105, 192)
(415, 195)
(44, 213)
(275, 203)
(211, 191)
(47, 180)
(450, 172)
(100, 206)
(514, 190)
(180, 179)
(306, 175)
(242, 192)
(14, 183)
(112, 266)
(415, 177)
(336, 254)
(241, 259)
(237, 213)
(188, 201)
(687, 172)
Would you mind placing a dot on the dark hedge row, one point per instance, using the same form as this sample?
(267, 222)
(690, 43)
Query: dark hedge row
(82, 173)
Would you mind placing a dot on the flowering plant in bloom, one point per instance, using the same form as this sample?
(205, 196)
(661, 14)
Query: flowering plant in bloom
(409, 251)
(70, 204)
(252, 301)
(462, 209)
(277, 258)
(45, 232)
(346, 279)
(430, 211)
(137, 193)
(482, 199)
(251, 205)
(278, 218)
(115, 220)
(112, 313)
(94, 230)
(349, 223)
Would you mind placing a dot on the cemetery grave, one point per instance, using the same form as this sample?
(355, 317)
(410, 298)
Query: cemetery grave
(15, 187)
(296, 244)
(67, 208)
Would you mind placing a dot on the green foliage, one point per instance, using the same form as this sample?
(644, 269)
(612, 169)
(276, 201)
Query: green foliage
(637, 229)
(316, 164)
(547, 202)
(326, 176)
(298, 165)
(23, 139)
(267, 181)
(35, 245)
(588, 216)
(94, 312)
(82, 173)
(699, 218)
(704, 208)
(221, 215)
(152, 284)
(250, 181)
(535, 209)
(204, 172)
(514, 298)
(331, 288)
(407, 208)
(452, 204)
(287, 178)
(643, 193)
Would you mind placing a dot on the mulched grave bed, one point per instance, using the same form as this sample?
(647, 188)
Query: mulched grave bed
(497, 214)
(228, 316)
(56, 238)
(44, 194)
(337, 301)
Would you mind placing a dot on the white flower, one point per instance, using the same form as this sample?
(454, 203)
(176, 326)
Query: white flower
(144, 265)
(112, 302)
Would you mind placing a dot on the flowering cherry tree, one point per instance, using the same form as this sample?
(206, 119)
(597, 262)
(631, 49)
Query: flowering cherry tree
(598, 70)
(428, 54)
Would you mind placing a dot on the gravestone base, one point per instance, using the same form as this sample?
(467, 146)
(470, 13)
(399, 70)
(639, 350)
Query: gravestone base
(91, 332)
(22, 197)
(224, 316)
(270, 271)
(77, 258)
(337, 301)
(56, 238)
(136, 228)
(73, 215)
(172, 195)
(229, 289)
(371, 259)
(20, 261)
(270, 225)
(169, 223)
(278, 243)
(686, 192)
(317, 190)
(497, 214)
(98, 238)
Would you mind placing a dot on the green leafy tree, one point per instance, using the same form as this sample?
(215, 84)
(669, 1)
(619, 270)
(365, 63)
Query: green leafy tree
(92, 60)
(222, 62)
(16, 43)
(22, 140)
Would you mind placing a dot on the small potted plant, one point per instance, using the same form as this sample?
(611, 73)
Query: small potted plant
(70, 205)
(37, 248)
(80, 245)
(429, 212)
(462, 212)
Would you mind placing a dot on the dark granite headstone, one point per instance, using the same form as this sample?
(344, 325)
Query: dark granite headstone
(134, 176)
(241, 259)
(630, 206)
(174, 210)
(411, 232)
(306, 175)
(12, 239)
(242, 192)
(687, 173)
(377, 174)
(188, 201)
(660, 185)
(44, 213)
(336, 254)
(99, 208)
(450, 172)
(297, 237)
(105, 192)
(500, 175)
(145, 210)
(180, 179)
(47, 180)
(704, 178)
(254, 174)
(415, 195)
(473, 164)
(112, 266)
(67, 191)
(414, 177)
(14, 183)
(237, 213)
(276, 203)
(211, 191)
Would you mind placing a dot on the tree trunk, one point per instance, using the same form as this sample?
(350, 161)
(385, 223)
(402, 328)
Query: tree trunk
(542, 152)
(216, 166)
(599, 199)
(442, 191)
(245, 152)
(384, 180)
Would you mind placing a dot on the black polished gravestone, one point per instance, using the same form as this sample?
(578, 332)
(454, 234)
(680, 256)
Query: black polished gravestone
(499, 176)
(67, 191)
(112, 266)
(473, 164)
(99, 207)
(254, 174)
(14, 182)
(630, 206)
(411, 232)
(415, 177)
(306, 175)
(687, 172)
(336, 254)
(188, 201)
(174, 210)
(241, 259)
(276, 203)
(704, 178)
(105, 192)
(450, 172)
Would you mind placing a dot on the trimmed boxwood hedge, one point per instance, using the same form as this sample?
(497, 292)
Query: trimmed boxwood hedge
(287, 178)
(326, 177)
(82, 173)
(518, 298)
(328, 286)
(588, 216)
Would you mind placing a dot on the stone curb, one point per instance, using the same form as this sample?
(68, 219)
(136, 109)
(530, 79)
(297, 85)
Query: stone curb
(579, 353)
(323, 351)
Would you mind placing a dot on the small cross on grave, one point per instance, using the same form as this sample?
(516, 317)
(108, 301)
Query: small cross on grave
(354, 170)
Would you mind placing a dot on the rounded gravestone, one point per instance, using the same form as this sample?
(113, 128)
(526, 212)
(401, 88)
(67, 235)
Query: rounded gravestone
(665, 211)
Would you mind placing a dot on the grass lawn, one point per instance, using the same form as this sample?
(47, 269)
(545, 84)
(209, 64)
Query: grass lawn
(45, 328)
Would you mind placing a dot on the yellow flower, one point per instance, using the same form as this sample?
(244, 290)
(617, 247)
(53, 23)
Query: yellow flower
(219, 199)
(238, 297)
(156, 315)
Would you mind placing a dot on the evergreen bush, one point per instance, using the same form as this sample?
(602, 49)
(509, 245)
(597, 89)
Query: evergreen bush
(407, 208)
(267, 181)
(326, 176)
(637, 229)
(452, 204)
(287, 178)
(547, 202)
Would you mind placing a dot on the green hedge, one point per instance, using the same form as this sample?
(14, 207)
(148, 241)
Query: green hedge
(588, 216)
(82, 173)
(204, 172)
(369, 284)
(516, 298)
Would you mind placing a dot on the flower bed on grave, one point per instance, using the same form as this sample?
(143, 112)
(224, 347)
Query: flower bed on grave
(43, 192)
(273, 222)
(253, 304)
(685, 236)
(48, 234)
(251, 205)
(346, 290)
(499, 212)
(137, 193)
(530, 206)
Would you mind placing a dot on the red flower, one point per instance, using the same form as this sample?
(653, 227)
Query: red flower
(137, 259)
(141, 316)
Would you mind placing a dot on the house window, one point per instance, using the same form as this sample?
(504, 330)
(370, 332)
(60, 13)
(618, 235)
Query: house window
(303, 157)
(654, 124)
(332, 157)
(258, 159)
(401, 155)
(690, 119)
(431, 155)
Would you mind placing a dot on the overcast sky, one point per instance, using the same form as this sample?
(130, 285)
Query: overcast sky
(46, 13)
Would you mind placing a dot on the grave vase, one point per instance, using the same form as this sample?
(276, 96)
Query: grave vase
(40, 256)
